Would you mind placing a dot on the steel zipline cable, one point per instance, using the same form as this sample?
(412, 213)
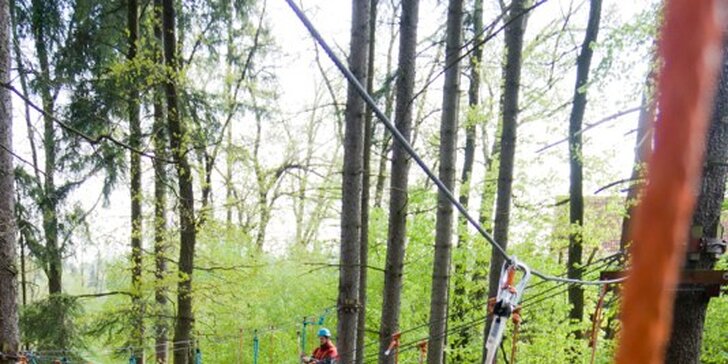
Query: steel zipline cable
(354, 82)
(528, 302)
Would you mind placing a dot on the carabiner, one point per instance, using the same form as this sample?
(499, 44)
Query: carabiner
(507, 299)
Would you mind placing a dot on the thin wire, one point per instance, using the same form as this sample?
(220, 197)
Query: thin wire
(354, 82)
(481, 42)
(91, 140)
(10, 151)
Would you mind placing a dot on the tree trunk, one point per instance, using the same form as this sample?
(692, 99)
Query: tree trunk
(348, 301)
(576, 164)
(135, 174)
(49, 206)
(691, 304)
(509, 108)
(385, 142)
(462, 338)
(443, 226)
(643, 148)
(9, 335)
(177, 135)
(491, 154)
(365, 188)
(397, 233)
(161, 322)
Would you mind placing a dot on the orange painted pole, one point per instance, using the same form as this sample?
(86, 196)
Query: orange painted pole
(690, 49)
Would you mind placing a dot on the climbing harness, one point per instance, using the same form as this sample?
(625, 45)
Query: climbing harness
(505, 303)
(596, 322)
(394, 347)
(422, 345)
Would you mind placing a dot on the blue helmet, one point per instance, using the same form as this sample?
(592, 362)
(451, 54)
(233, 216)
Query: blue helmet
(324, 332)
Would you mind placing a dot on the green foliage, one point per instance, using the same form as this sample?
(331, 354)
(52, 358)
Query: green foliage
(51, 324)
(715, 347)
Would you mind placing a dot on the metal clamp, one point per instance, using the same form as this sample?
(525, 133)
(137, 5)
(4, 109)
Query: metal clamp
(714, 246)
(509, 295)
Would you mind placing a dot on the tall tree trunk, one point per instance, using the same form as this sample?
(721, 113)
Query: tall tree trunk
(462, 338)
(491, 154)
(135, 173)
(576, 164)
(643, 147)
(691, 305)
(348, 301)
(365, 188)
(396, 236)
(53, 263)
(229, 178)
(443, 226)
(9, 335)
(385, 143)
(509, 109)
(177, 135)
(161, 322)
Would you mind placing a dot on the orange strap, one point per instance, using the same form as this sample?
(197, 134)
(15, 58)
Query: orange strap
(516, 318)
(394, 346)
(690, 46)
(491, 305)
(511, 277)
(423, 351)
(596, 322)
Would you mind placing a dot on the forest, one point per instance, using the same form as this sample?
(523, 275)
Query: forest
(215, 181)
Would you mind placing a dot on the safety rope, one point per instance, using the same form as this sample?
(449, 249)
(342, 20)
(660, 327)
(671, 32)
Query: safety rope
(596, 323)
(690, 49)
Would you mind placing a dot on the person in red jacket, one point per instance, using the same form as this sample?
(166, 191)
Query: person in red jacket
(324, 354)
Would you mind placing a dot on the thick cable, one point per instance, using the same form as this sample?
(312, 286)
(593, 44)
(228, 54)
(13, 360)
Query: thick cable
(359, 88)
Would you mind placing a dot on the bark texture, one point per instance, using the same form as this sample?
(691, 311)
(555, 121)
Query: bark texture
(177, 135)
(135, 174)
(691, 304)
(576, 164)
(398, 182)
(509, 109)
(448, 142)
(365, 188)
(462, 338)
(161, 298)
(348, 301)
(9, 335)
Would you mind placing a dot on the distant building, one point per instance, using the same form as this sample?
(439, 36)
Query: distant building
(602, 226)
